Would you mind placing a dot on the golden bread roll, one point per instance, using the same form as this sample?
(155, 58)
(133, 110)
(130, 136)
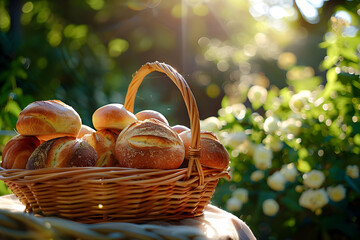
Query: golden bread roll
(85, 130)
(103, 141)
(62, 152)
(48, 119)
(180, 128)
(112, 116)
(149, 144)
(212, 153)
(17, 151)
(147, 114)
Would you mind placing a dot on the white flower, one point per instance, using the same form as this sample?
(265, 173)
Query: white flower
(248, 147)
(276, 181)
(289, 172)
(299, 101)
(211, 124)
(270, 207)
(313, 199)
(271, 124)
(257, 175)
(262, 157)
(352, 171)
(233, 204)
(314, 178)
(238, 110)
(242, 194)
(273, 142)
(337, 193)
(234, 139)
(291, 126)
(257, 94)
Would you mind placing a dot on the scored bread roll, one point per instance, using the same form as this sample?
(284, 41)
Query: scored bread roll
(212, 153)
(147, 114)
(18, 150)
(112, 116)
(180, 128)
(85, 130)
(62, 152)
(103, 141)
(48, 119)
(149, 144)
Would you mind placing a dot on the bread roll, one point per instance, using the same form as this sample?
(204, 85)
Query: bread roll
(48, 119)
(149, 144)
(85, 130)
(180, 128)
(18, 150)
(147, 114)
(103, 141)
(62, 152)
(112, 116)
(212, 153)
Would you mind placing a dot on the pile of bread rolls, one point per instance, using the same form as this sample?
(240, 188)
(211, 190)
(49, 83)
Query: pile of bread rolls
(51, 134)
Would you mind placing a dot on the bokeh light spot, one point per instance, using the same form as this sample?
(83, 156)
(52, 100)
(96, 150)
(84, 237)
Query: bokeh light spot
(286, 60)
(178, 11)
(213, 91)
(117, 46)
(201, 10)
(27, 7)
(4, 20)
(96, 4)
(54, 38)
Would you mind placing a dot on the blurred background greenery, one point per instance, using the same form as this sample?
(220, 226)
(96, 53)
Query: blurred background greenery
(84, 53)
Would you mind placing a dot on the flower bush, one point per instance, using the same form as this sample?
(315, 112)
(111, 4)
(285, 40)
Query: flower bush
(295, 151)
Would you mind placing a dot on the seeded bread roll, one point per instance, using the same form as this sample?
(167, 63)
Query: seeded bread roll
(149, 144)
(48, 119)
(212, 153)
(147, 114)
(17, 151)
(103, 141)
(85, 130)
(62, 152)
(112, 116)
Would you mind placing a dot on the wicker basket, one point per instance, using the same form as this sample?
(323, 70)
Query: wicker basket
(104, 194)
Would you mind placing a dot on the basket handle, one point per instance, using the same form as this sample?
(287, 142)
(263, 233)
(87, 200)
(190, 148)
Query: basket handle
(194, 150)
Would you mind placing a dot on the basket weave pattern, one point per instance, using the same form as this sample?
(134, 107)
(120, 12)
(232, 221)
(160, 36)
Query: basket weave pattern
(104, 194)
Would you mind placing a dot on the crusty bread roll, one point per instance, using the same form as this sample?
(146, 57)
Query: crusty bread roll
(149, 144)
(48, 119)
(180, 128)
(103, 141)
(62, 152)
(85, 130)
(18, 150)
(147, 114)
(112, 116)
(212, 153)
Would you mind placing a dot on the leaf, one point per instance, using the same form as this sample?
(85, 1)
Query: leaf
(346, 78)
(13, 108)
(225, 102)
(349, 54)
(331, 77)
(3, 189)
(291, 204)
(305, 83)
(352, 184)
(303, 166)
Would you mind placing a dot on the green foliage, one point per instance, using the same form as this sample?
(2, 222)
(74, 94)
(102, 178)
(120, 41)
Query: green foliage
(84, 53)
(297, 146)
